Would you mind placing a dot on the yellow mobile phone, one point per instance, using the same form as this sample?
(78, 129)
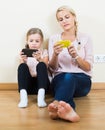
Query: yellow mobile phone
(65, 43)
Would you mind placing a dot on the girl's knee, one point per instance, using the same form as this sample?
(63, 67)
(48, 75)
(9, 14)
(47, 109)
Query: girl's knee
(41, 65)
(22, 66)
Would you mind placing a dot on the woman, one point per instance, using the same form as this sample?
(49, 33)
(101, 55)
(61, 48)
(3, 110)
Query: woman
(71, 66)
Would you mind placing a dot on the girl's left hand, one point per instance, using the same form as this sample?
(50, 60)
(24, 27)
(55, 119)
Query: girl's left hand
(72, 51)
(37, 55)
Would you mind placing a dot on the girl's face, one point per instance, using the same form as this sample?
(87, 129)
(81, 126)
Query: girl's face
(34, 41)
(66, 20)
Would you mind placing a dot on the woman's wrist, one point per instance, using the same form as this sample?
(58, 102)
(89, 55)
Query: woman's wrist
(76, 57)
(55, 55)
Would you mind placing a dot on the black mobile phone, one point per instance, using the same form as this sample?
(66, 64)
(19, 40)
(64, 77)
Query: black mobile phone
(28, 52)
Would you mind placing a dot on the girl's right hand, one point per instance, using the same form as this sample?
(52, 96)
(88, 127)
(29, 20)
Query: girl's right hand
(57, 48)
(23, 58)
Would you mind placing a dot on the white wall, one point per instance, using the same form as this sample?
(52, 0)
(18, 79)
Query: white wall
(17, 16)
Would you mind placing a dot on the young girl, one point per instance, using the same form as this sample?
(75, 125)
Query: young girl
(32, 71)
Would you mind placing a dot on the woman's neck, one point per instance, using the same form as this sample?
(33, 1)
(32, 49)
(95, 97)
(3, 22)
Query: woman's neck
(68, 35)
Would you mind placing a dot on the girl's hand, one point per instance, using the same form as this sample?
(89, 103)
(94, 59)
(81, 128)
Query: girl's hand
(72, 51)
(57, 48)
(37, 55)
(23, 58)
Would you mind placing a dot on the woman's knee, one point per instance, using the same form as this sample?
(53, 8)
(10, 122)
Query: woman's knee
(86, 91)
(65, 78)
(87, 88)
(83, 92)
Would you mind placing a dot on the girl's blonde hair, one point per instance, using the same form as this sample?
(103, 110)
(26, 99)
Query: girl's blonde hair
(72, 12)
(34, 31)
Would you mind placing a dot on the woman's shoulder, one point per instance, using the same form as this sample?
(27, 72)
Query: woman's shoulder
(83, 35)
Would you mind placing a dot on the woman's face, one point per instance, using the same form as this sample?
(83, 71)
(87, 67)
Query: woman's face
(34, 41)
(66, 20)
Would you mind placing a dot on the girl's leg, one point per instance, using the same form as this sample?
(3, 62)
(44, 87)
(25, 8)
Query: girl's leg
(24, 81)
(23, 77)
(23, 98)
(43, 83)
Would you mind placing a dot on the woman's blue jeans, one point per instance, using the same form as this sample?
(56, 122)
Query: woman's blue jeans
(66, 86)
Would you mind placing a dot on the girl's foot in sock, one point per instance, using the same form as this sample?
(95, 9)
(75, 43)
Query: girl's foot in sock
(41, 98)
(23, 99)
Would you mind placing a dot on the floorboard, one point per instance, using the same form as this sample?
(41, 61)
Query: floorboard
(90, 108)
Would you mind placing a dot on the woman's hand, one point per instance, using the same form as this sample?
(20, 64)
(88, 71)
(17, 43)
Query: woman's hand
(23, 58)
(57, 48)
(54, 60)
(72, 51)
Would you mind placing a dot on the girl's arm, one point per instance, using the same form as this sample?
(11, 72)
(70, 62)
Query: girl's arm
(23, 58)
(41, 57)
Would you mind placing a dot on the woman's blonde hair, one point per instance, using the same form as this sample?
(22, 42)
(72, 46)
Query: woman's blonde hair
(71, 11)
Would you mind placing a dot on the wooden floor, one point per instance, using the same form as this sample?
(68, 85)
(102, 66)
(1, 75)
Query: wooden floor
(91, 110)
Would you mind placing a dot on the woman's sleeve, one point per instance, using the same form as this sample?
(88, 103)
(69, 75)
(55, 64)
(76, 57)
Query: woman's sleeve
(50, 48)
(89, 51)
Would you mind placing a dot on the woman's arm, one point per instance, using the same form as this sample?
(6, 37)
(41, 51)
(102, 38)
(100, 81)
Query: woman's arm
(53, 63)
(86, 63)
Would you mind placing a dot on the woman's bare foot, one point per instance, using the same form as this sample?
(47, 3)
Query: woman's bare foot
(53, 108)
(66, 112)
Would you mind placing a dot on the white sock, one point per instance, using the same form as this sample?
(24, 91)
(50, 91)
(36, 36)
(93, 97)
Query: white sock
(23, 98)
(41, 98)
